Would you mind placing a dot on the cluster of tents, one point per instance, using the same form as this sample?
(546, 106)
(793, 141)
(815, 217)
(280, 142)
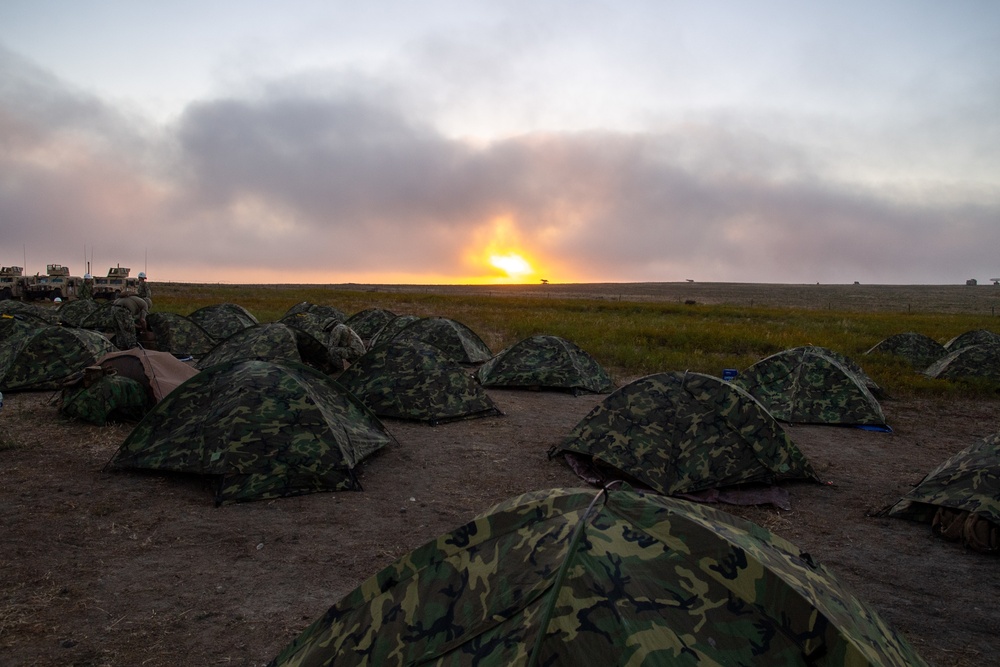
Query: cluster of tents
(294, 406)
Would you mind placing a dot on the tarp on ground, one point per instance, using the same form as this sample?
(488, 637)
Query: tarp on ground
(968, 484)
(222, 320)
(260, 430)
(179, 335)
(366, 323)
(273, 341)
(808, 385)
(585, 577)
(917, 349)
(681, 433)
(47, 356)
(968, 362)
(545, 362)
(414, 380)
(460, 343)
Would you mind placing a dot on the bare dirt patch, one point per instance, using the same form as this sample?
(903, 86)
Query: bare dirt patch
(141, 569)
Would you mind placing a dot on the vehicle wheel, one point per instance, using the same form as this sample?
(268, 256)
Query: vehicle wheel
(5, 293)
(117, 294)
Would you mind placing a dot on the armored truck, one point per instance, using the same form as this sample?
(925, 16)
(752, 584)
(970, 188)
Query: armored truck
(56, 283)
(12, 282)
(116, 284)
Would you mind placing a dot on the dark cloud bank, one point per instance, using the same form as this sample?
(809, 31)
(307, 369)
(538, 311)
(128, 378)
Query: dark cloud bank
(341, 184)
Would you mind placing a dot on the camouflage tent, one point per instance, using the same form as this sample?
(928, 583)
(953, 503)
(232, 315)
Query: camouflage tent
(584, 577)
(46, 356)
(366, 323)
(917, 349)
(222, 320)
(974, 337)
(29, 311)
(16, 325)
(260, 429)
(460, 343)
(808, 385)
(315, 324)
(101, 318)
(179, 335)
(108, 397)
(961, 497)
(683, 433)
(391, 329)
(414, 380)
(273, 341)
(968, 362)
(159, 373)
(545, 362)
(74, 313)
(321, 311)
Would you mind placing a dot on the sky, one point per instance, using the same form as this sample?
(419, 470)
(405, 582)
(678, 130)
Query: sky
(467, 141)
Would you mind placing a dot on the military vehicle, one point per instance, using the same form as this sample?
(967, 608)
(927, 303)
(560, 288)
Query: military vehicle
(12, 281)
(116, 284)
(56, 283)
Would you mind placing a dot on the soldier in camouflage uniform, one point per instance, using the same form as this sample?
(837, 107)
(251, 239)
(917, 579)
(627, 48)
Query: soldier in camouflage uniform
(87, 288)
(143, 291)
(345, 345)
(125, 337)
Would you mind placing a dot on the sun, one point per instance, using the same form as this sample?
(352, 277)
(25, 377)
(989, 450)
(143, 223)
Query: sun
(514, 265)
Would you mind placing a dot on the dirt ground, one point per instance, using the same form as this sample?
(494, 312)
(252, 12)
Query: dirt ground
(142, 569)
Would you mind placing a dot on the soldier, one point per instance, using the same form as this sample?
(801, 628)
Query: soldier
(143, 291)
(87, 288)
(137, 309)
(345, 346)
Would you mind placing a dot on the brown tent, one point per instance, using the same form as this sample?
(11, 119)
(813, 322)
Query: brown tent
(159, 372)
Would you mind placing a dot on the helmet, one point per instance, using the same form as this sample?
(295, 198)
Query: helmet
(142, 274)
(57, 300)
(87, 276)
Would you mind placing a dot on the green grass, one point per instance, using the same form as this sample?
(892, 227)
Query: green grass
(632, 339)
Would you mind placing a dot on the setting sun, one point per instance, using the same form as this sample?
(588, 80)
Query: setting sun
(512, 264)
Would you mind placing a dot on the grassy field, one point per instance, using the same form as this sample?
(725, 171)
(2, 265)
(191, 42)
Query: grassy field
(639, 328)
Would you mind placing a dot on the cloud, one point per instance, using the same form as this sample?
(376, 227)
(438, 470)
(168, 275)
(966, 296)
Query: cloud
(301, 183)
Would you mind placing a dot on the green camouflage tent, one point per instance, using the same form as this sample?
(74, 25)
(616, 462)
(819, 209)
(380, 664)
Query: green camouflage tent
(961, 497)
(101, 318)
(324, 312)
(222, 320)
(390, 329)
(809, 385)
(585, 577)
(17, 325)
(109, 398)
(74, 313)
(366, 323)
(414, 380)
(47, 356)
(545, 362)
(916, 349)
(29, 311)
(179, 335)
(968, 362)
(315, 324)
(260, 429)
(974, 337)
(273, 341)
(684, 433)
(460, 343)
